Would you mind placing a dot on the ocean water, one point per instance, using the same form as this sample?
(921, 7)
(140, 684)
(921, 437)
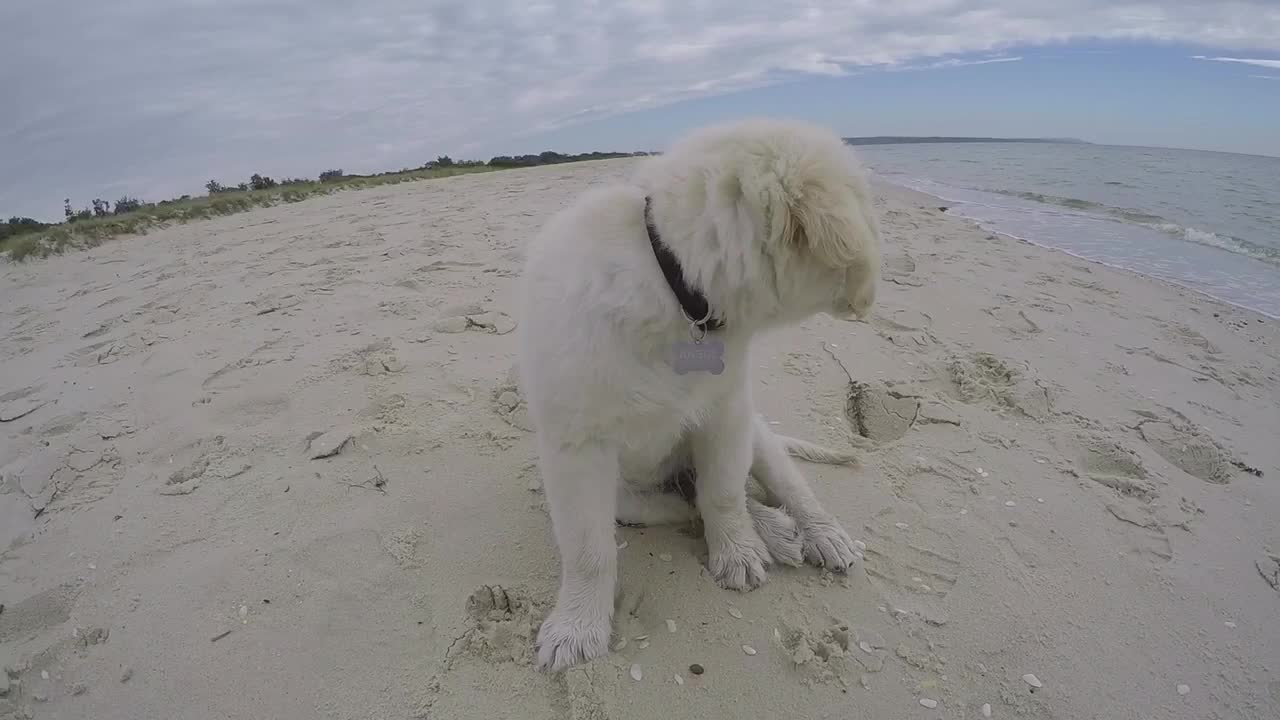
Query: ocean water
(1207, 221)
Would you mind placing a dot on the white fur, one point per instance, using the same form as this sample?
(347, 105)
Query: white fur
(773, 221)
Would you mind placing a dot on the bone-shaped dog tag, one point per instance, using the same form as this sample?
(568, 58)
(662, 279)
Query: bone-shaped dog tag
(707, 356)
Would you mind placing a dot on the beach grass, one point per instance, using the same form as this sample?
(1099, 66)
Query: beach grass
(93, 231)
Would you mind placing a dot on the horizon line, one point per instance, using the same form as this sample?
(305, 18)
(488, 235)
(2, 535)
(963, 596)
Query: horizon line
(887, 140)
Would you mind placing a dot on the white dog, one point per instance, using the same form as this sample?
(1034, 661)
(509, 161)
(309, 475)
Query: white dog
(639, 305)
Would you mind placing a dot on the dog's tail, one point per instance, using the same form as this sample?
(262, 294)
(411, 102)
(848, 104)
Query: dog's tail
(816, 453)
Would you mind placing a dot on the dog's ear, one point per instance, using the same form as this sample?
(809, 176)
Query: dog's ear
(836, 231)
(841, 233)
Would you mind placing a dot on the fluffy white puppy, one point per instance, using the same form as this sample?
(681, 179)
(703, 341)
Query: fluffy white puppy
(639, 304)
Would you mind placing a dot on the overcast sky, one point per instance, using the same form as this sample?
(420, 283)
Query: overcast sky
(154, 97)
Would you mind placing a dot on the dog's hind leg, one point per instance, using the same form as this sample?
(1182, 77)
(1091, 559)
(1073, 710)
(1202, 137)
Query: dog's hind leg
(673, 505)
(778, 531)
(824, 542)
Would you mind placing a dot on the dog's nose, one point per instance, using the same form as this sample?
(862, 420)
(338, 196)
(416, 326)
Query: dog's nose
(850, 309)
(860, 292)
(842, 309)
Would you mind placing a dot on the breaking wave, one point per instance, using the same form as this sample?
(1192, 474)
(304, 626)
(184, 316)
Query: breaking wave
(1222, 242)
(1229, 243)
(1126, 214)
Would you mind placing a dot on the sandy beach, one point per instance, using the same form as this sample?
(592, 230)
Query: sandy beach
(275, 465)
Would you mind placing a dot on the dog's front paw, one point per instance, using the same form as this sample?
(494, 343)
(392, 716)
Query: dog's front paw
(826, 544)
(564, 640)
(738, 563)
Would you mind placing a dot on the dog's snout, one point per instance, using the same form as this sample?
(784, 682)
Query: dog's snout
(843, 309)
(859, 291)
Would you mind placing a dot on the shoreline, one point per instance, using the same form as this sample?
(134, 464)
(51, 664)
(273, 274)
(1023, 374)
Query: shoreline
(978, 222)
(159, 226)
(285, 449)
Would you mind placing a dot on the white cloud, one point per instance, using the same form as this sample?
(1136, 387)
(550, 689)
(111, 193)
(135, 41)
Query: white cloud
(1266, 77)
(1246, 61)
(169, 94)
(957, 62)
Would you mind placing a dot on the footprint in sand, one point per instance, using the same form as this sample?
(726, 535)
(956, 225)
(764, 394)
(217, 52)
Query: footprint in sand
(1133, 494)
(440, 265)
(362, 359)
(158, 312)
(900, 270)
(503, 624)
(1216, 413)
(881, 413)
(102, 329)
(1043, 279)
(914, 566)
(930, 482)
(257, 408)
(104, 352)
(59, 425)
(500, 630)
(273, 303)
(461, 318)
(1012, 320)
(1269, 568)
(34, 614)
(836, 651)
(1047, 303)
(207, 459)
(87, 477)
(1189, 450)
(384, 362)
(905, 328)
(17, 346)
(510, 404)
(230, 376)
(1093, 287)
(802, 365)
(1116, 466)
(1205, 373)
(403, 546)
(1185, 335)
(18, 404)
(1145, 533)
(979, 377)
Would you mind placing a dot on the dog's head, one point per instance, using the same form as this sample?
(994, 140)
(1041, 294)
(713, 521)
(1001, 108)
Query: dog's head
(779, 215)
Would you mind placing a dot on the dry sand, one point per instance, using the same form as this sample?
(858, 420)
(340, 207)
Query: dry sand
(1052, 485)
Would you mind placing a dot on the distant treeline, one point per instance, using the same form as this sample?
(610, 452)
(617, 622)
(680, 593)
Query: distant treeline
(913, 140)
(552, 158)
(100, 208)
(20, 225)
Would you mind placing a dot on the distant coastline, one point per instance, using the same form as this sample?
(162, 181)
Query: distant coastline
(916, 140)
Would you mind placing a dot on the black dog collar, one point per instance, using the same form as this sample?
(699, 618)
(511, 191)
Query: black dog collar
(693, 302)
